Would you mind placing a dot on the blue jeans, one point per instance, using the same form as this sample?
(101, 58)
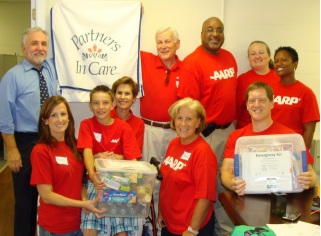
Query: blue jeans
(43, 232)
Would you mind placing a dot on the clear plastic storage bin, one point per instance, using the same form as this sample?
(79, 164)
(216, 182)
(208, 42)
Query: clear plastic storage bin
(270, 163)
(129, 187)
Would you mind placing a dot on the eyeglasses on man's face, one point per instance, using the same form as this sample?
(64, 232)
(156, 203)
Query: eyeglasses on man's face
(211, 30)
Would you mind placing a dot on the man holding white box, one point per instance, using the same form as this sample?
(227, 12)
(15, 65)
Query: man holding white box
(259, 101)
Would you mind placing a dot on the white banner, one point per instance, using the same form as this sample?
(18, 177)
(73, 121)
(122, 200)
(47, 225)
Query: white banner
(94, 42)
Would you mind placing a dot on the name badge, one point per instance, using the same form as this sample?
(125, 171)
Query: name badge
(186, 156)
(62, 160)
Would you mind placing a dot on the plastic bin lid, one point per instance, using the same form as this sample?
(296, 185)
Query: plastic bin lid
(110, 165)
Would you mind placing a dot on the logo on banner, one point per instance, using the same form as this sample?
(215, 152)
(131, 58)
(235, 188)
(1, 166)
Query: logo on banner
(95, 59)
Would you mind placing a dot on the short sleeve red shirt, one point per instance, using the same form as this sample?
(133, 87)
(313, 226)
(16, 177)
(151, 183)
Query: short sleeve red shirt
(118, 137)
(157, 97)
(58, 167)
(136, 123)
(243, 81)
(294, 105)
(211, 80)
(189, 173)
(275, 128)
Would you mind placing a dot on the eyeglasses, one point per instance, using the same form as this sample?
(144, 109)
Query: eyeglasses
(166, 79)
(211, 30)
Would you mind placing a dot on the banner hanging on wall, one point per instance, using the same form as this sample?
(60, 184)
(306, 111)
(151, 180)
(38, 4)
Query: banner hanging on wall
(94, 42)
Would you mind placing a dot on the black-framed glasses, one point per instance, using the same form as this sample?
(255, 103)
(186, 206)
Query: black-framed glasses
(166, 79)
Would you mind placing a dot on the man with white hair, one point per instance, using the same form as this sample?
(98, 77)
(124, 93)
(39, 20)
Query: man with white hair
(160, 74)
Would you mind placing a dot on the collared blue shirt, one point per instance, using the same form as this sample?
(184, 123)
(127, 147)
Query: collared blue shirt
(20, 96)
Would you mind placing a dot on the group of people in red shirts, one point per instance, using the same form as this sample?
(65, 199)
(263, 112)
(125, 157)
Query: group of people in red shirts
(188, 110)
(210, 75)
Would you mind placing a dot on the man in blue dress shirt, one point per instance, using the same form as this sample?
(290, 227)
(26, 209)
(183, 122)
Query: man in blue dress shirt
(19, 114)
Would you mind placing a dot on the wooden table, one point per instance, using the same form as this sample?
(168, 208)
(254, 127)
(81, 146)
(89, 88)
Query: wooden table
(254, 209)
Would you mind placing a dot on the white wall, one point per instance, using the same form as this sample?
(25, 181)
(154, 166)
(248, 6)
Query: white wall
(279, 23)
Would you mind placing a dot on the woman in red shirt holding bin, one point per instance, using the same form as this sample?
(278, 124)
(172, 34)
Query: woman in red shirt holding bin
(57, 170)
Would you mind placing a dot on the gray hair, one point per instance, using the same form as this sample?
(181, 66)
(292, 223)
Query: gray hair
(171, 29)
(31, 30)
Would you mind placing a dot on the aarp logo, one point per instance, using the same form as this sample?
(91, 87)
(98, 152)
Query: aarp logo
(285, 100)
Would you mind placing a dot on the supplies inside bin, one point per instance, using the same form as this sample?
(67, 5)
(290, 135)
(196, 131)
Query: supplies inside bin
(129, 187)
(270, 163)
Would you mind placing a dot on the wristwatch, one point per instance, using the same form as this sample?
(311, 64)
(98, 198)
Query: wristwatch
(189, 229)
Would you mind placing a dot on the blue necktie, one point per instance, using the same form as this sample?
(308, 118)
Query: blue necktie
(44, 94)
